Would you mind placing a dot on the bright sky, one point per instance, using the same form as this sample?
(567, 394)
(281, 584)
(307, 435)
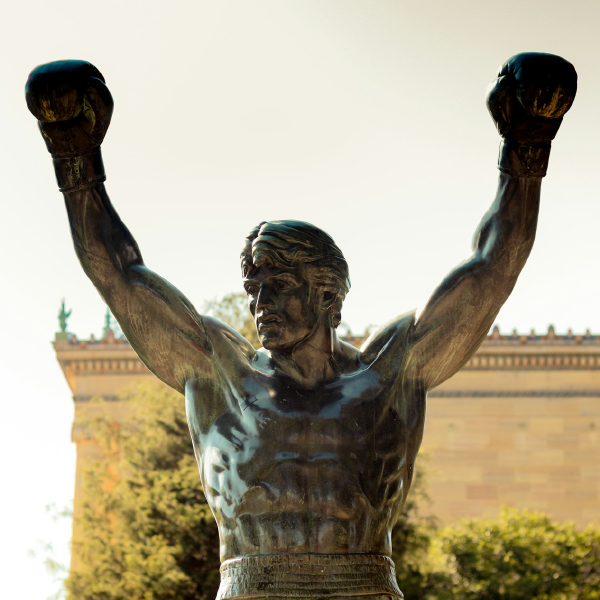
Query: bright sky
(366, 118)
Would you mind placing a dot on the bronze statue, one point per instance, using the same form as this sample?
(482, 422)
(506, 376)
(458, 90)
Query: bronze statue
(63, 316)
(307, 447)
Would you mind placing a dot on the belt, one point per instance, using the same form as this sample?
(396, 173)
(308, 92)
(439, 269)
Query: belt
(308, 576)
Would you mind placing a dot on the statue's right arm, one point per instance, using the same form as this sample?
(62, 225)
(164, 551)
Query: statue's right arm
(73, 107)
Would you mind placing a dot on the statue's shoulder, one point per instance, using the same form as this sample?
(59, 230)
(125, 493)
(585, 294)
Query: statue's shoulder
(227, 343)
(391, 338)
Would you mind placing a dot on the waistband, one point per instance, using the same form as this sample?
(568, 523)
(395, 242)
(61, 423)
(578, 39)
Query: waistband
(308, 576)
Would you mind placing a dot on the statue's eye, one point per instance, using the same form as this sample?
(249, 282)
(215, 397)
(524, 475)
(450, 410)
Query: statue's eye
(252, 290)
(282, 284)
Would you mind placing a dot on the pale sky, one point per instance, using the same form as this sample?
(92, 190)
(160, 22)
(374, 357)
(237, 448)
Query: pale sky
(366, 118)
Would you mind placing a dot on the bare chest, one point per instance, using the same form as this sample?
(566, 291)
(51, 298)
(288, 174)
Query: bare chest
(283, 446)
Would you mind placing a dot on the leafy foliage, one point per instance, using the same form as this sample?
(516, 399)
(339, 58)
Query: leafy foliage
(148, 532)
(522, 555)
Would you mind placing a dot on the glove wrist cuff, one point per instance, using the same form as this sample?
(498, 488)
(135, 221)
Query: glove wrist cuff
(74, 173)
(522, 159)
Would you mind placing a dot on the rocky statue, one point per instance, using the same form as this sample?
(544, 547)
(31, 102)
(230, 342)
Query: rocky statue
(306, 447)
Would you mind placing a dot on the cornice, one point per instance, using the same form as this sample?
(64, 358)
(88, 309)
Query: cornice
(103, 366)
(550, 338)
(522, 361)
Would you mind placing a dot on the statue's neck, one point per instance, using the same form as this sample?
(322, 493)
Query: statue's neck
(319, 357)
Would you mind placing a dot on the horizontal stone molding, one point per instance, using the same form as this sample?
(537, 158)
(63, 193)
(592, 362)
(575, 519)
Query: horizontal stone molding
(96, 366)
(529, 362)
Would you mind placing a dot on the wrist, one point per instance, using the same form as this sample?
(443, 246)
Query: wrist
(522, 159)
(75, 173)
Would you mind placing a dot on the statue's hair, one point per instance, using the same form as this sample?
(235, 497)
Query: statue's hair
(288, 243)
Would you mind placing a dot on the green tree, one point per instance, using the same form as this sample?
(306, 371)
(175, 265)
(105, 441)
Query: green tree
(522, 555)
(148, 532)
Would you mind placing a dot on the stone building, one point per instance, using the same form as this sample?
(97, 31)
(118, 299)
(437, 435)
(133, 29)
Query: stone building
(519, 425)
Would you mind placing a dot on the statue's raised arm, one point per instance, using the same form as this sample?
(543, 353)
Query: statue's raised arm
(527, 102)
(73, 106)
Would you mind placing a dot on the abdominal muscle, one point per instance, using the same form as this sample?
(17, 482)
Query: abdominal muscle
(303, 507)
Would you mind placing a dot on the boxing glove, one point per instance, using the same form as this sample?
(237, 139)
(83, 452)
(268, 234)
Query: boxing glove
(73, 107)
(527, 102)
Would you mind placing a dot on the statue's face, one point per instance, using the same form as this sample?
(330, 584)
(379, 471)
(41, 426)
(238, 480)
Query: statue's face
(285, 305)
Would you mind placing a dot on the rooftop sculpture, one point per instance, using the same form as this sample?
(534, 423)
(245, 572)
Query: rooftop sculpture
(307, 447)
(63, 315)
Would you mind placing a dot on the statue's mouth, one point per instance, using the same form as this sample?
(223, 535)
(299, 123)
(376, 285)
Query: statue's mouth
(268, 320)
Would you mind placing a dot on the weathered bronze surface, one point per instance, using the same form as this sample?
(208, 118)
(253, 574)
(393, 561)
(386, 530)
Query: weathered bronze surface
(307, 447)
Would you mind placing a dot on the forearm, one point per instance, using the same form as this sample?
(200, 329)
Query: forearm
(104, 245)
(506, 234)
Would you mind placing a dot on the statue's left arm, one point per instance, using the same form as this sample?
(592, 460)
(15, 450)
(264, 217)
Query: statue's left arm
(527, 101)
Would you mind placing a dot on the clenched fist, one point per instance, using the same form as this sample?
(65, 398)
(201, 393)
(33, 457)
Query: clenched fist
(532, 93)
(73, 107)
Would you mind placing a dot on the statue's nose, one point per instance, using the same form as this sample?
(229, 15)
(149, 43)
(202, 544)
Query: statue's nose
(265, 296)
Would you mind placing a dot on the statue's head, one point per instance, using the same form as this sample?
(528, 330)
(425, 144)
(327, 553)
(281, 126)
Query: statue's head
(296, 279)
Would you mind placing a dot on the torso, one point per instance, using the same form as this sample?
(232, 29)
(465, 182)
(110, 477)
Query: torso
(324, 470)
